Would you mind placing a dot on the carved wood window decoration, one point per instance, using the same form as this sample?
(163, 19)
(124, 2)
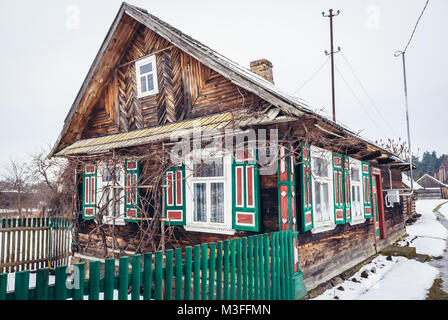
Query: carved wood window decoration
(146, 73)
(357, 196)
(322, 182)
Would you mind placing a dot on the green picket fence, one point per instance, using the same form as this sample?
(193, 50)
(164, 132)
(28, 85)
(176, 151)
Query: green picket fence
(33, 243)
(254, 268)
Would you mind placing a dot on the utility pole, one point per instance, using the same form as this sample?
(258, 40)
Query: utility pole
(332, 52)
(402, 54)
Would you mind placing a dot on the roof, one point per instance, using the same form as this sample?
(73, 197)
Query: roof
(406, 180)
(237, 74)
(427, 181)
(164, 132)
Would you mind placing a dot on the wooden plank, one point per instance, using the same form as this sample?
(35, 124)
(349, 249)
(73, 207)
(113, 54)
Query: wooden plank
(219, 270)
(136, 262)
(188, 270)
(197, 270)
(123, 278)
(239, 276)
(3, 286)
(60, 286)
(21, 285)
(232, 269)
(3, 245)
(226, 270)
(267, 271)
(147, 276)
(33, 246)
(273, 268)
(38, 243)
(19, 243)
(13, 245)
(158, 276)
(78, 293)
(256, 266)
(42, 278)
(94, 280)
(169, 274)
(244, 258)
(42, 243)
(8, 246)
(204, 268)
(261, 266)
(109, 275)
(211, 272)
(250, 269)
(178, 273)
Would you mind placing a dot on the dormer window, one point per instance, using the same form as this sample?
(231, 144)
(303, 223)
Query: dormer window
(146, 73)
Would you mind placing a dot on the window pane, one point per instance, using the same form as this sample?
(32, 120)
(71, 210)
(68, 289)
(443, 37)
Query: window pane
(213, 168)
(146, 68)
(144, 86)
(117, 201)
(200, 202)
(217, 195)
(355, 174)
(320, 167)
(325, 202)
(105, 201)
(150, 82)
(318, 201)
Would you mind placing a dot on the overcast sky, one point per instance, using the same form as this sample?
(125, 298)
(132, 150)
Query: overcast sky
(48, 47)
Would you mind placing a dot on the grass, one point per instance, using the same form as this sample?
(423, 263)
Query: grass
(436, 292)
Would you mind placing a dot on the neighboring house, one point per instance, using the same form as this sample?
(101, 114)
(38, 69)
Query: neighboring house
(150, 80)
(442, 173)
(432, 188)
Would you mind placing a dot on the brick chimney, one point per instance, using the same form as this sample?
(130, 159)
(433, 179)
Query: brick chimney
(263, 68)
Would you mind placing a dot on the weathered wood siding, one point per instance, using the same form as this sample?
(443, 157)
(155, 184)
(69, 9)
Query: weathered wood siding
(325, 255)
(187, 89)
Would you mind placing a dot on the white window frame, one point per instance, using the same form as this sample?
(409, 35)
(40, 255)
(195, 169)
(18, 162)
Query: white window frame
(317, 152)
(102, 186)
(209, 227)
(138, 64)
(355, 219)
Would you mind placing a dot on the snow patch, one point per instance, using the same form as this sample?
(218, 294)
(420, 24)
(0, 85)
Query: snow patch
(399, 278)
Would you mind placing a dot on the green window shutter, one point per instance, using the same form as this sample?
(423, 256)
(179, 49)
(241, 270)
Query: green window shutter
(246, 192)
(347, 190)
(175, 196)
(367, 189)
(306, 196)
(89, 191)
(131, 194)
(286, 189)
(338, 188)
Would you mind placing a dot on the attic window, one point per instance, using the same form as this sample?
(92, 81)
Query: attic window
(146, 73)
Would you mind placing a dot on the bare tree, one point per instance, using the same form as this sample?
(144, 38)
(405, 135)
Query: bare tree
(16, 174)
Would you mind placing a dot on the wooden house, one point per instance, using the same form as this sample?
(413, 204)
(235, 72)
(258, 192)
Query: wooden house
(150, 81)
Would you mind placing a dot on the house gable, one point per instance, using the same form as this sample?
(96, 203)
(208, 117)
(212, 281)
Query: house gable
(187, 89)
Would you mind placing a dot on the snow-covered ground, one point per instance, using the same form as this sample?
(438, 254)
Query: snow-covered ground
(444, 210)
(400, 278)
(397, 279)
(427, 235)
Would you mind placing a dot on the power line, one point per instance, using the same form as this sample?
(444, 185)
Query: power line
(368, 96)
(359, 101)
(415, 27)
(313, 76)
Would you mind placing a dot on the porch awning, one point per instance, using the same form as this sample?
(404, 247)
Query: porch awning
(163, 132)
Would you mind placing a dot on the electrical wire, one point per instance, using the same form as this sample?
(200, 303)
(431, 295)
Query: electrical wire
(415, 27)
(359, 100)
(313, 76)
(368, 96)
